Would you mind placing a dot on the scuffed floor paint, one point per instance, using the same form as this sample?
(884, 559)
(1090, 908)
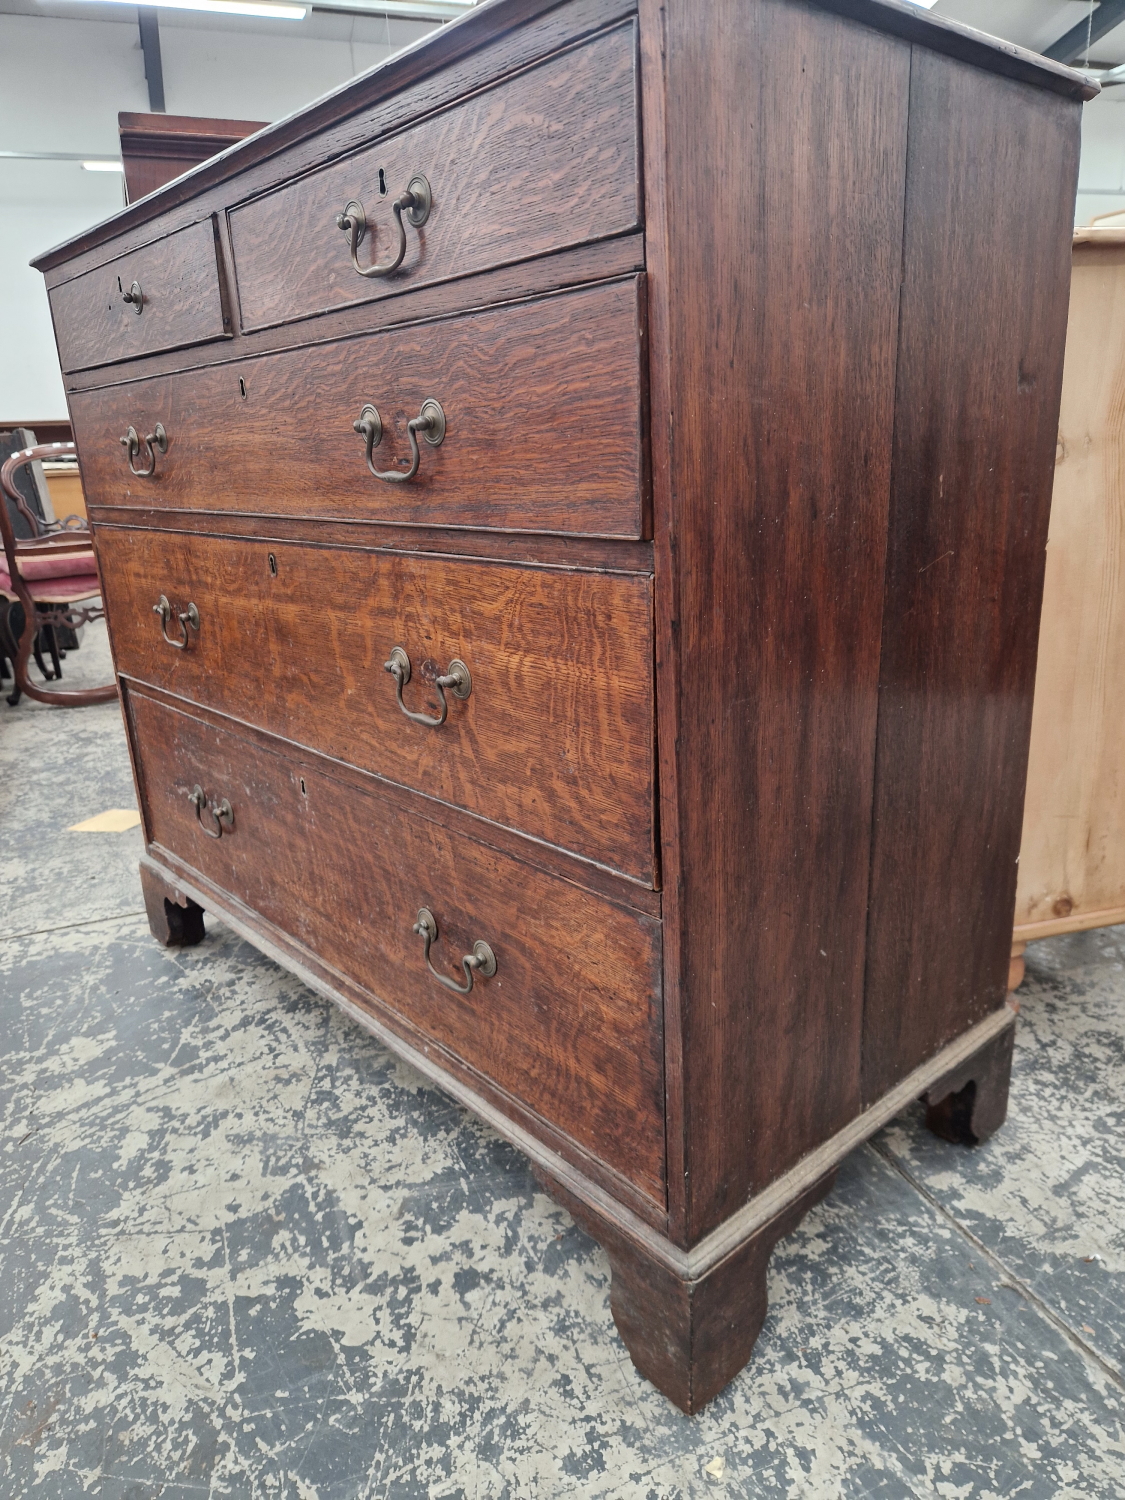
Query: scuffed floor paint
(246, 1253)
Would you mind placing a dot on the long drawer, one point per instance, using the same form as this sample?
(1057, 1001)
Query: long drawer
(166, 295)
(570, 1022)
(541, 161)
(554, 739)
(541, 403)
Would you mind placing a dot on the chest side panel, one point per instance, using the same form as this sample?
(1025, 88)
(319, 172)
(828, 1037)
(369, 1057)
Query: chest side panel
(786, 138)
(992, 173)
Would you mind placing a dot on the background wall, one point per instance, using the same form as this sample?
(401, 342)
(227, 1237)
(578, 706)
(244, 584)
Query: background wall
(66, 78)
(1101, 181)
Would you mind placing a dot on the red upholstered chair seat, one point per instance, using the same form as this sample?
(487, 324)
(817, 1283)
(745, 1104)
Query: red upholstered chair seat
(65, 565)
(65, 589)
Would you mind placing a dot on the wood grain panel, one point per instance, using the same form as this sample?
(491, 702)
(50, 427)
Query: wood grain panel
(543, 403)
(555, 739)
(605, 261)
(183, 302)
(461, 824)
(545, 160)
(1072, 850)
(986, 266)
(571, 1021)
(781, 306)
(380, 536)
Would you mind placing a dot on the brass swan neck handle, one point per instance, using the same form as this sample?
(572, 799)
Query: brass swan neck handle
(415, 202)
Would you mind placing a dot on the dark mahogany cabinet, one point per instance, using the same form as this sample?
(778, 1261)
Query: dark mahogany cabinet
(572, 508)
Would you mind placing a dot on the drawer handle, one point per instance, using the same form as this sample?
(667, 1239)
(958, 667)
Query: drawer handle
(134, 296)
(189, 616)
(154, 442)
(416, 202)
(222, 813)
(430, 422)
(480, 961)
(457, 679)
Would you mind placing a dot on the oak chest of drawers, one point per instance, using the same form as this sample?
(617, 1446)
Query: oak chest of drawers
(571, 508)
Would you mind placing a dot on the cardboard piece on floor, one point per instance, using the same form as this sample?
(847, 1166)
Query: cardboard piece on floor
(116, 820)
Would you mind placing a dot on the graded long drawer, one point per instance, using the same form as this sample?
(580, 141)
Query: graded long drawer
(542, 405)
(570, 1023)
(541, 161)
(174, 300)
(555, 738)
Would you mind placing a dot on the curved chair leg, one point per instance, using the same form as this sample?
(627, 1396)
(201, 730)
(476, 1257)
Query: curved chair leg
(75, 698)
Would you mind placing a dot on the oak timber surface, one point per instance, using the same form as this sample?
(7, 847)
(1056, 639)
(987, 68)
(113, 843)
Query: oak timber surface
(544, 424)
(570, 1022)
(541, 162)
(182, 302)
(607, 260)
(1072, 853)
(555, 739)
(777, 524)
(987, 264)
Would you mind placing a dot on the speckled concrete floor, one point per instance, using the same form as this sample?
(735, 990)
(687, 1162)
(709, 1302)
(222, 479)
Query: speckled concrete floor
(243, 1252)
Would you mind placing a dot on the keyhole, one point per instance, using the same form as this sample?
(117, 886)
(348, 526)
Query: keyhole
(382, 183)
(120, 288)
(242, 387)
(304, 792)
(273, 565)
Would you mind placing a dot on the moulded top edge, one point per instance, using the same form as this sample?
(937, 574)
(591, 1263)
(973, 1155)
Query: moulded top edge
(967, 43)
(488, 22)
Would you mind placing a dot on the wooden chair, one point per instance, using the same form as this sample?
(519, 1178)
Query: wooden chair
(53, 575)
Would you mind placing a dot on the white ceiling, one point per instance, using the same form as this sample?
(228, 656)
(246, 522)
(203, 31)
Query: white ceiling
(1033, 23)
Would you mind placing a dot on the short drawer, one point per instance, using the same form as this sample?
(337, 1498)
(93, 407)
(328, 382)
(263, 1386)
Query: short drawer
(542, 411)
(175, 299)
(554, 739)
(541, 161)
(570, 1023)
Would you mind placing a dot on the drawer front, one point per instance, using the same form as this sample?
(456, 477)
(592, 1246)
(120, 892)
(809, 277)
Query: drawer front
(181, 302)
(555, 738)
(542, 410)
(540, 162)
(570, 1023)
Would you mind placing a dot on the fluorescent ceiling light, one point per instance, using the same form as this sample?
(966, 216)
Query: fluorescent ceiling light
(102, 166)
(274, 10)
(412, 10)
(923, 4)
